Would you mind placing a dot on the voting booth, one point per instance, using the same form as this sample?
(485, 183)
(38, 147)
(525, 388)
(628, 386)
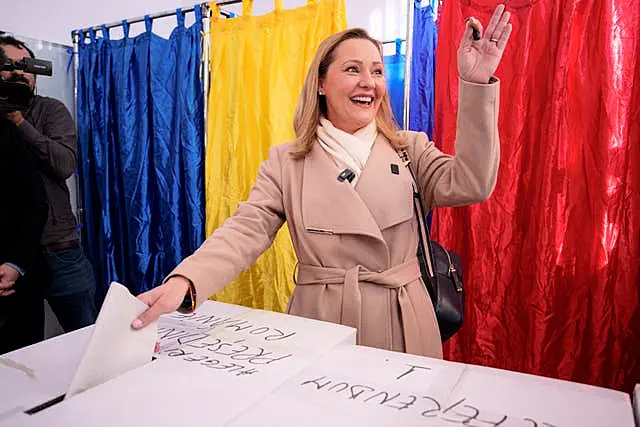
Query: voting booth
(226, 365)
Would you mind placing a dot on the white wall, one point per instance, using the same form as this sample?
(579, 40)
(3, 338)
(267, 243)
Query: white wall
(53, 20)
(384, 19)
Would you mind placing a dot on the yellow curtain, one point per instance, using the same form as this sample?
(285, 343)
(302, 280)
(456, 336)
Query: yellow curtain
(258, 65)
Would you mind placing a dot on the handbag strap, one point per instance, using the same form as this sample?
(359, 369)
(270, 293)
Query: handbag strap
(424, 235)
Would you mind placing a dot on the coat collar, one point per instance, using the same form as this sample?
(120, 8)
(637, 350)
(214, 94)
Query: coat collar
(385, 186)
(380, 199)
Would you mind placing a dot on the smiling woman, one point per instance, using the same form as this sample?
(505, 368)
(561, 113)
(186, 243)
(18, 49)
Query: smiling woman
(356, 239)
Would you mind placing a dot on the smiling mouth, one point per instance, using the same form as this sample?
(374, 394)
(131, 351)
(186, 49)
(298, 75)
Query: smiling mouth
(362, 100)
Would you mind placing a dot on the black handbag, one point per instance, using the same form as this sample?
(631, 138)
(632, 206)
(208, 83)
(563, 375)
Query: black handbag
(444, 282)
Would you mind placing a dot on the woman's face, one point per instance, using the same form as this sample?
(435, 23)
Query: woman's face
(354, 85)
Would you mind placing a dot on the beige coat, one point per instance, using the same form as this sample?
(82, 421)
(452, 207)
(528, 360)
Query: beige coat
(356, 247)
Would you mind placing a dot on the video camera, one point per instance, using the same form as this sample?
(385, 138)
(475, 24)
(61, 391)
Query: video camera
(17, 96)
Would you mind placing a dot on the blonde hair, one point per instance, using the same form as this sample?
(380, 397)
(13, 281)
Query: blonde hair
(311, 106)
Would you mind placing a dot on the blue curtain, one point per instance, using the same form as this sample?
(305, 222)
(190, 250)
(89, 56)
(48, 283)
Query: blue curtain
(423, 70)
(394, 73)
(141, 140)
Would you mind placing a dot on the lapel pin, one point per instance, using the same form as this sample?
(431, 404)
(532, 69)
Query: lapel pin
(346, 174)
(394, 169)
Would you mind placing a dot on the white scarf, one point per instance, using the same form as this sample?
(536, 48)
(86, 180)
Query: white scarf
(347, 150)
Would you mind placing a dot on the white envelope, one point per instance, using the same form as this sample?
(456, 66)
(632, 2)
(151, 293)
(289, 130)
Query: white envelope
(115, 347)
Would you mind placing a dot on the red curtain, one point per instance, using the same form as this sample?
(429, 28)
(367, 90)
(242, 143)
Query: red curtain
(552, 259)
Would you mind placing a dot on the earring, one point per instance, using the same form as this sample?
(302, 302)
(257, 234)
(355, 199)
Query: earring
(321, 93)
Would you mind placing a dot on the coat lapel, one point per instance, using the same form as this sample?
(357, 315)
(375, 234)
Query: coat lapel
(385, 186)
(381, 198)
(331, 206)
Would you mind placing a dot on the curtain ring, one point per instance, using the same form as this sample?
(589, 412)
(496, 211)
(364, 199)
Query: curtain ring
(125, 28)
(148, 24)
(105, 31)
(180, 17)
(215, 10)
(247, 7)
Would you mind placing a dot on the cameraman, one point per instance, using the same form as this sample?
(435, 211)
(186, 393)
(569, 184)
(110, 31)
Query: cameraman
(47, 129)
(22, 218)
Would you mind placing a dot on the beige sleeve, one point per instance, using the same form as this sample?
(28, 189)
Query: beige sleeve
(469, 176)
(242, 238)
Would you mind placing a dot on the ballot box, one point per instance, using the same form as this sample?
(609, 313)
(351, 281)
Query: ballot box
(370, 387)
(39, 373)
(226, 365)
(217, 361)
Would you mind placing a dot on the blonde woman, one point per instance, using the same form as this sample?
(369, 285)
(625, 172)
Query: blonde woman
(347, 199)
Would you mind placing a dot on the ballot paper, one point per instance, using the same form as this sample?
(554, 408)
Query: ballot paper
(213, 365)
(115, 347)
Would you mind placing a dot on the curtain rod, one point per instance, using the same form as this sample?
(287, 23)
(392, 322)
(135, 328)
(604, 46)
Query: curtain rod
(156, 16)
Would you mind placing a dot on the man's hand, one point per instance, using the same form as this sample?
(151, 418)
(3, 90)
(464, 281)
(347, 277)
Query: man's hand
(16, 117)
(8, 277)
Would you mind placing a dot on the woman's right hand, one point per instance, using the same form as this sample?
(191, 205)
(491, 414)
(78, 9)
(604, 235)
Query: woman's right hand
(163, 299)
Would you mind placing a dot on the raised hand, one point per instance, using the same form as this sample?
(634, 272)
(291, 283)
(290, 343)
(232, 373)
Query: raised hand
(479, 59)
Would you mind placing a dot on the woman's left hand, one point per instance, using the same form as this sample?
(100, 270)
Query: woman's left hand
(478, 59)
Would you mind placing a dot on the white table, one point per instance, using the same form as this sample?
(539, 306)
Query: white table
(221, 360)
(232, 366)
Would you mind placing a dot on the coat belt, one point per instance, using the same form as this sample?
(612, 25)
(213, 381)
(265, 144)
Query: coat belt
(395, 277)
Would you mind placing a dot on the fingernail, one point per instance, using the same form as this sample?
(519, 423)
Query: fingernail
(136, 323)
